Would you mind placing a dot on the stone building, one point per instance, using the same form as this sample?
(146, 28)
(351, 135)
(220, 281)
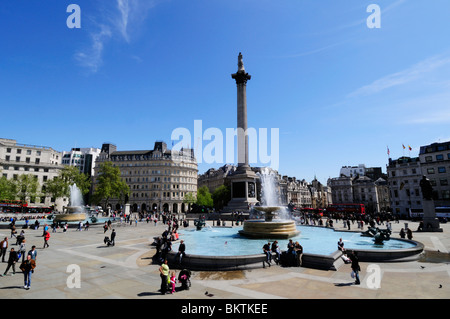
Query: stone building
(360, 190)
(404, 176)
(213, 178)
(40, 161)
(159, 179)
(435, 164)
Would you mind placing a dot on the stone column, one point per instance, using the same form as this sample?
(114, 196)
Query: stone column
(241, 78)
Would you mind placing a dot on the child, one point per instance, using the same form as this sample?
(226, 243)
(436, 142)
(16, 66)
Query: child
(173, 281)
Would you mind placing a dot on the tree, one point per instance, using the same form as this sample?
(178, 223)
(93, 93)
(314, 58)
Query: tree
(221, 196)
(204, 197)
(109, 184)
(8, 189)
(189, 199)
(27, 186)
(60, 185)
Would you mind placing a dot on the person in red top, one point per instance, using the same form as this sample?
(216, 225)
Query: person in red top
(46, 238)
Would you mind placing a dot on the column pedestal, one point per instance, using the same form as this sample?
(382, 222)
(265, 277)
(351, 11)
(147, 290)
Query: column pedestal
(430, 222)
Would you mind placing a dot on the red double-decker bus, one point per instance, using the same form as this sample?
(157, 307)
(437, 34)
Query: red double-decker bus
(17, 206)
(346, 208)
(12, 206)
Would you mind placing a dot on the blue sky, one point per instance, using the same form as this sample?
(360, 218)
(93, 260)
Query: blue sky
(339, 92)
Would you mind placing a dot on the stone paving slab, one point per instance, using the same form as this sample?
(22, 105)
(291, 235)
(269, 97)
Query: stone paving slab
(125, 271)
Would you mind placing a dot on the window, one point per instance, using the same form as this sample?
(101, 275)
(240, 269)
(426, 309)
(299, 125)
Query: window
(7, 157)
(439, 157)
(28, 152)
(37, 161)
(443, 182)
(19, 151)
(441, 169)
(8, 150)
(430, 170)
(446, 194)
(428, 158)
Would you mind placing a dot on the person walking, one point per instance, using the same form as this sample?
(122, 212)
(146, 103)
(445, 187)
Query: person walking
(173, 281)
(164, 273)
(3, 248)
(355, 266)
(46, 238)
(33, 252)
(23, 249)
(409, 233)
(11, 262)
(27, 268)
(113, 237)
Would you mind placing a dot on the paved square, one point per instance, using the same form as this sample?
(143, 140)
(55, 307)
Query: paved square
(125, 271)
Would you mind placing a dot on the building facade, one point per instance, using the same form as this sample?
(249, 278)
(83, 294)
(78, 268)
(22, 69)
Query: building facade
(159, 179)
(435, 163)
(83, 158)
(214, 178)
(404, 175)
(40, 161)
(374, 194)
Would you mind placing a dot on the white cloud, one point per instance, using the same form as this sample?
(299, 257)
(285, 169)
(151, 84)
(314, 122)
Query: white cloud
(413, 73)
(92, 58)
(115, 24)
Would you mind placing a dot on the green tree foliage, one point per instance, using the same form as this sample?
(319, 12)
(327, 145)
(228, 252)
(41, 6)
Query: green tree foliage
(27, 186)
(221, 196)
(60, 186)
(109, 184)
(204, 197)
(8, 189)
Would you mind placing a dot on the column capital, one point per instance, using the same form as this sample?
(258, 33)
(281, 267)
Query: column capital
(241, 77)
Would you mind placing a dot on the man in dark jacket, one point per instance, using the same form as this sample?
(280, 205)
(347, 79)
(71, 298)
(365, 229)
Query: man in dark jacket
(355, 266)
(11, 261)
(27, 268)
(113, 237)
(181, 250)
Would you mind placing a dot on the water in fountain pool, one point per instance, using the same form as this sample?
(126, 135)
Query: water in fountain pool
(217, 241)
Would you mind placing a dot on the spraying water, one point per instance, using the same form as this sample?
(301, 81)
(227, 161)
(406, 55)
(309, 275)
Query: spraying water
(76, 198)
(269, 182)
(269, 192)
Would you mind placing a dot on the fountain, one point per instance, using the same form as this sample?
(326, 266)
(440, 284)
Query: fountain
(75, 212)
(276, 224)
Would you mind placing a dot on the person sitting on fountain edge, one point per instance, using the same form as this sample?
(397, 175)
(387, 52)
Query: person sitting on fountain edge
(266, 250)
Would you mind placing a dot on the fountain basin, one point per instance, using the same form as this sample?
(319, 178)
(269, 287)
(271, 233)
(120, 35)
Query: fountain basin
(223, 248)
(279, 229)
(71, 214)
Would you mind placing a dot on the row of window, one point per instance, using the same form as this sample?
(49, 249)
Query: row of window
(439, 157)
(19, 151)
(440, 170)
(157, 195)
(26, 168)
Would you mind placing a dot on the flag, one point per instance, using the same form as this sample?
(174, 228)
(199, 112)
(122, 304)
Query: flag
(389, 153)
(410, 148)
(403, 146)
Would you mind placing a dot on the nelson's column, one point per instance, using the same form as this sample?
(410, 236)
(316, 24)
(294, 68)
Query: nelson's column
(243, 180)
